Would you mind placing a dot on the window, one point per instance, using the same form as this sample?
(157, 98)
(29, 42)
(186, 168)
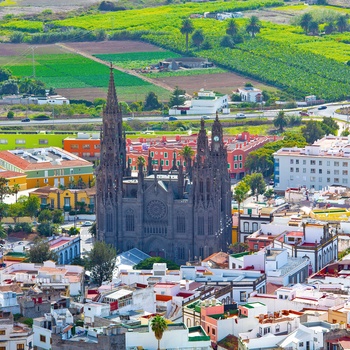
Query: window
(243, 296)
(320, 179)
(181, 253)
(20, 346)
(345, 181)
(328, 172)
(304, 170)
(277, 328)
(67, 201)
(165, 154)
(86, 146)
(301, 344)
(312, 162)
(336, 172)
(74, 146)
(166, 162)
(161, 162)
(292, 161)
(201, 252)
(296, 170)
(235, 158)
(256, 247)
(304, 161)
(129, 220)
(345, 164)
(2, 331)
(210, 225)
(336, 180)
(240, 165)
(213, 331)
(312, 171)
(3, 141)
(20, 142)
(42, 338)
(267, 330)
(336, 163)
(180, 223)
(345, 172)
(328, 179)
(97, 146)
(43, 141)
(291, 177)
(320, 171)
(312, 178)
(297, 161)
(320, 162)
(240, 157)
(152, 154)
(201, 226)
(291, 170)
(328, 163)
(236, 166)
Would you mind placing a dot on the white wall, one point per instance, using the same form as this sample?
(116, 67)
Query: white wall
(42, 331)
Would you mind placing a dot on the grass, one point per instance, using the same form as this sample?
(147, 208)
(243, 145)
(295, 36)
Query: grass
(7, 3)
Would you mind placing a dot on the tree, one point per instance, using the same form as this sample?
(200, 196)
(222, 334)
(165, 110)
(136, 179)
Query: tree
(329, 28)
(227, 41)
(238, 248)
(9, 87)
(198, 38)
(92, 229)
(177, 98)
(41, 252)
(57, 216)
(187, 29)
(305, 21)
(240, 194)
(5, 74)
(3, 233)
(16, 210)
(329, 126)
(280, 121)
(102, 259)
(342, 23)
(10, 115)
(15, 189)
(312, 131)
(232, 28)
(253, 26)
(256, 183)
(147, 264)
(3, 210)
(151, 102)
(187, 153)
(4, 189)
(45, 216)
(313, 28)
(158, 325)
(32, 206)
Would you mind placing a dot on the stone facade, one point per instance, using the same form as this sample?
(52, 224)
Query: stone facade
(174, 214)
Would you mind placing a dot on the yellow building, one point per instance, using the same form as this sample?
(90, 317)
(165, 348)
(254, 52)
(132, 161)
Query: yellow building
(13, 178)
(47, 166)
(70, 199)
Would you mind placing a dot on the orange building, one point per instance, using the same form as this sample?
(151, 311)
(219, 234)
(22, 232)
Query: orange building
(164, 150)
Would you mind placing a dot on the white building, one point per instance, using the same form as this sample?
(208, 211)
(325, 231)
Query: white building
(8, 302)
(46, 275)
(50, 100)
(325, 163)
(95, 309)
(177, 336)
(42, 327)
(250, 94)
(14, 336)
(66, 248)
(279, 268)
(206, 102)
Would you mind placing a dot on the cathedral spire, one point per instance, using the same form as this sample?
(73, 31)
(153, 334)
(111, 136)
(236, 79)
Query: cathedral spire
(202, 144)
(112, 106)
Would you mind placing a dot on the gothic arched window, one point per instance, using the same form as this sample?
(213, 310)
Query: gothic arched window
(129, 220)
(180, 222)
(210, 225)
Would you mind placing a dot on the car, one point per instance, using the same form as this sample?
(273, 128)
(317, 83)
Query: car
(172, 118)
(322, 107)
(20, 243)
(87, 223)
(205, 117)
(240, 116)
(271, 182)
(304, 114)
(129, 119)
(25, 120)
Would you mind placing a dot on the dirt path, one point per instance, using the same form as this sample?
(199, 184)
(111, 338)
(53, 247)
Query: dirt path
(128, 71)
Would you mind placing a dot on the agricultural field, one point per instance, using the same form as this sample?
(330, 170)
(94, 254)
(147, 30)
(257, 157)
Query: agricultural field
(72, 74)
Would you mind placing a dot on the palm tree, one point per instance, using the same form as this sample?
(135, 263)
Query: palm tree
(140, 163)
(15, 189)
(187, 153)
(342, 23)
(329, 28)
(240, 194)
(158, 325)
(198, 38)
(3, 233)
(280, 121)
(232, 28)
(313, 28)
(186, 29)
(253, 26)
(305, 20)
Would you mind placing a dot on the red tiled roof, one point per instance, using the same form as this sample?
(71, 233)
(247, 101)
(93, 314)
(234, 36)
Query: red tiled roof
(8, 174)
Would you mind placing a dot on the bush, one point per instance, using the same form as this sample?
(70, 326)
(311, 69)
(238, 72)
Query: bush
(110, 6)
(41, 117)
(10, 114)
(27, 227)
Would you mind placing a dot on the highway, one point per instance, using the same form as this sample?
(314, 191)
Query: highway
(329, 112)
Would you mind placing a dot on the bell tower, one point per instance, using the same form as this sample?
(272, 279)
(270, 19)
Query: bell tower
(110, 171)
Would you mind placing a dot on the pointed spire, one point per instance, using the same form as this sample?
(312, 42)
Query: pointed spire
(112, 100)
(217, 116)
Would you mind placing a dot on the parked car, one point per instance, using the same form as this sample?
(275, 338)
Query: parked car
(240, 116)
(322, 107)
(271, 182)
(25, 120)
(304, 114)
(205, 117)
(87, 223)
(20, 243)
(172, 118)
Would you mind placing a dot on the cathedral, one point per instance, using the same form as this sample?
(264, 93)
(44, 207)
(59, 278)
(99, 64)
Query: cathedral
(182, 214)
